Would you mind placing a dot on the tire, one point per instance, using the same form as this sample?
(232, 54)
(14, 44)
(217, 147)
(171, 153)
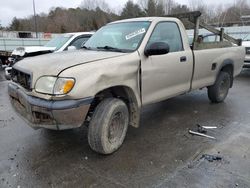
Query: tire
(108, 126)
(218, 92)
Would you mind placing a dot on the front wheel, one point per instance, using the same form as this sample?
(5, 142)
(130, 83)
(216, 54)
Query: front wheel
(108, 126)
(218, 92)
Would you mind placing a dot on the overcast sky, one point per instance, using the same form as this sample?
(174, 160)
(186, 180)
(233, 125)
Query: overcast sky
(24, 8)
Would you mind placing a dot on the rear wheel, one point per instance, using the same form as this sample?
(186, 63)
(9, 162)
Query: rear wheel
(218, 92)
(108, 126)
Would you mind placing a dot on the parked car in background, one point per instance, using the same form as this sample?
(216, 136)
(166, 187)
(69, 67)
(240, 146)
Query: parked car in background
(68, 41)
(246, 44)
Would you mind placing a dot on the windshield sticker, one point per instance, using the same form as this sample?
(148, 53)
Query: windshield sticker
(134, 34)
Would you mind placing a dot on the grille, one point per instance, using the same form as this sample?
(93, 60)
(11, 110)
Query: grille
(247, 50)
(23, 79)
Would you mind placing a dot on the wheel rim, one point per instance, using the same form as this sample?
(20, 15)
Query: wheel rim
(116, 127)
(224, 86)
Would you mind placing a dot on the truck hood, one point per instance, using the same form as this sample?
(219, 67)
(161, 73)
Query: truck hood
(21, 51)
(54, 63)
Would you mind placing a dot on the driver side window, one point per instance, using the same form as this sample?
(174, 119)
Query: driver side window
(169, 33)
(79, 42)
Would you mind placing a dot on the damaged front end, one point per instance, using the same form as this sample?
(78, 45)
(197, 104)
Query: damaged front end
(45, 113)
(19, 54)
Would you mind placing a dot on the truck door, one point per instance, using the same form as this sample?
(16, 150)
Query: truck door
(167, 75)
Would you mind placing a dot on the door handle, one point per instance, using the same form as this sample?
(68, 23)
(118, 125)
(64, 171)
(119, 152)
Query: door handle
(183, 59)
(214, 65)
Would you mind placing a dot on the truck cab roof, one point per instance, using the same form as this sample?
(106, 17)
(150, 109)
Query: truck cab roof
(150, 19)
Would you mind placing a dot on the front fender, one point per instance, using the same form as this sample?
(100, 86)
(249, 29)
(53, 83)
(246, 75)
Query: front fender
(96, 76)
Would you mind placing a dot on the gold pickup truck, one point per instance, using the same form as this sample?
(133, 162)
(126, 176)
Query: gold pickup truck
(125, 65)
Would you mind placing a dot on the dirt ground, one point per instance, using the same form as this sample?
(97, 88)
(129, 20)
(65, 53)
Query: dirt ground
(161, 153)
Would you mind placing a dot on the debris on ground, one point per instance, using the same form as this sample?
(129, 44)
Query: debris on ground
(201, 134)
(209, 127)
(202, 130)
(211, 158)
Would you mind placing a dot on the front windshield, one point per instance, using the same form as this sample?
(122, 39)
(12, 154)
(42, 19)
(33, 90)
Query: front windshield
(58, 42)
(123, 37)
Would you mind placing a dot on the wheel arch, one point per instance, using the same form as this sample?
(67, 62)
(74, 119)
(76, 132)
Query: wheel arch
(124, 93)
(227, 66)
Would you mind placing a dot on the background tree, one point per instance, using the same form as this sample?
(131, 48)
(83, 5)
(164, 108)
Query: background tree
(151, 8)
(179, 9)
(131, 10)
(143, 4)
(92, 14)
(169, 5)
(15, 24)
(93, 4)
(159, 9)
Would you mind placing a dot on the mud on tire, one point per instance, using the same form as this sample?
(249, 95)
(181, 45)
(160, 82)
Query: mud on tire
(218, 92)
(108, 126)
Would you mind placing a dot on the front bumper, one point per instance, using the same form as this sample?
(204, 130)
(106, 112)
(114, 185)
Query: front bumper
(50, 114)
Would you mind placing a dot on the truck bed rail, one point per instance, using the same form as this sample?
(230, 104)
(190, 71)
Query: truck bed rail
(191, 20)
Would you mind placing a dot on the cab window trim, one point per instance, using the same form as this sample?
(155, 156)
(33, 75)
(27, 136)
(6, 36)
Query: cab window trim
(82, 36)
(182, 46)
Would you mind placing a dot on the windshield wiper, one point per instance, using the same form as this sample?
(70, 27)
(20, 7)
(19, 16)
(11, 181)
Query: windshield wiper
(85, 47)
(110, 48)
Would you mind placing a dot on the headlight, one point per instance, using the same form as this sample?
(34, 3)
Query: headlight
(54, 85)
(63, 86)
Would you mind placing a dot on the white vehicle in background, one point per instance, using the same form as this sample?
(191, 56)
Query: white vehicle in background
(246, 44)
(68, 41)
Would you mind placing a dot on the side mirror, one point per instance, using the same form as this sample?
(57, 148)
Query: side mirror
(71, 48)
(157, 48)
